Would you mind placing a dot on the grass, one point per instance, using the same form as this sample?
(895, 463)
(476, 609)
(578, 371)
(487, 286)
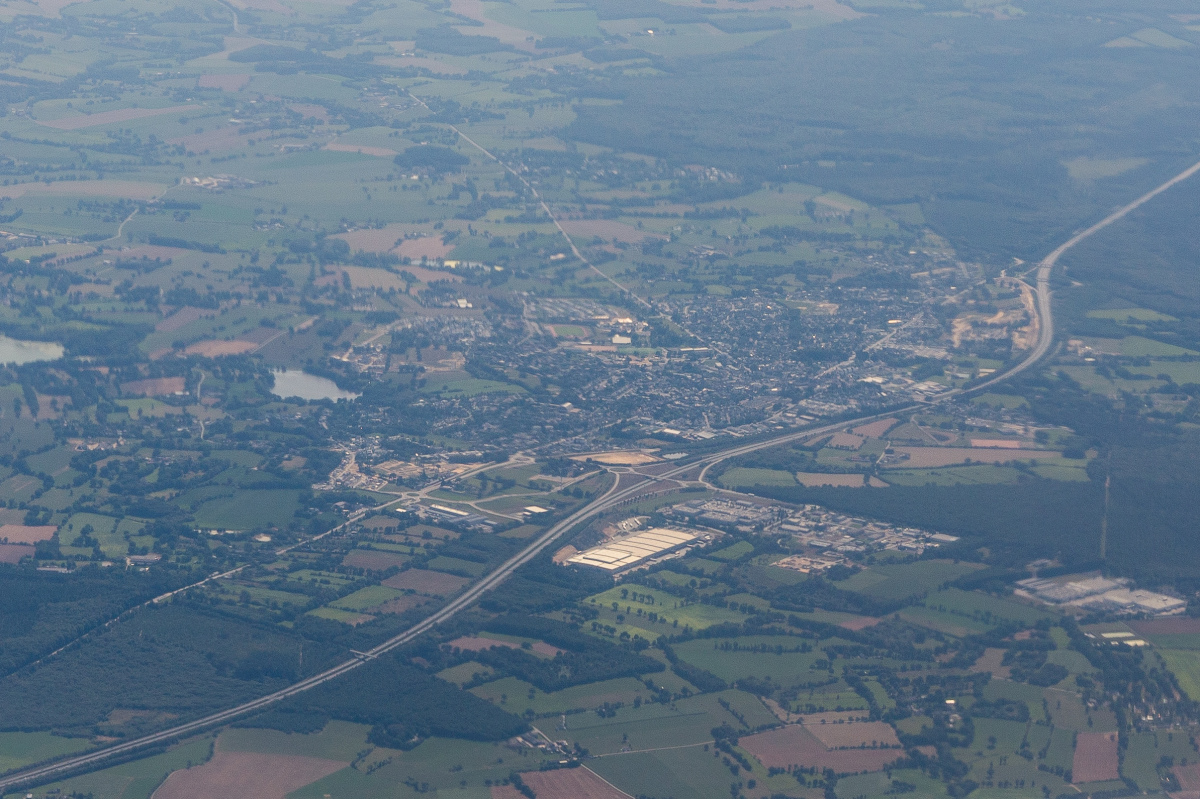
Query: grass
(738, 550)
(333, 614)
(137, 779)
(470, 387)
(340, 740)
(744, 477)
(788, 668)
(902, 580)
(1146, 748)
(457, 566)
(985, 608)
(1010, 401)
(1126, 314)
(1186, 668)
(691, 773)
(668, 608)
(518, 696)
(454, 768)
(367, 597)
(974, 474)
(19, 749)
(247, 509)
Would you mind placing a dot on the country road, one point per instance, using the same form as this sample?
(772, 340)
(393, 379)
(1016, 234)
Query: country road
(608, 500)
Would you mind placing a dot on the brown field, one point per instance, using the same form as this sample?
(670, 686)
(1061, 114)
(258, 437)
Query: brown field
(1095, 757)
(362, 149)
(399, 605)
(229, 83)
(855, 735)
(424, 247)
(13, 553)
(860, 623)
(990, 661)
(618, 458)
(1176, 626)
(794, 745)
(181, 317)
(154, 386)
(474, 643)
(77, 121)
(373, 239)
(571, 783)
(87, 188)
(365, 277)
(997, 443)
(874, 429)
(426, 582)
(517, 37)
(1189, 779)
(605, 229)
(845, 441)
(311, 110)
(812, 479)
(372, 560)
(26, 534)
(247, 774)
(932, 457)
(215, 348)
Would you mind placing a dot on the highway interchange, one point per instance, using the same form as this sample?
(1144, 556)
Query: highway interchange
(615, 495)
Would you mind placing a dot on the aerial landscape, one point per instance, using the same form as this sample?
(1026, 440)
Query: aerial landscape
(587, 399)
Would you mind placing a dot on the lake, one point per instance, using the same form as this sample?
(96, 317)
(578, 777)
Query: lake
(15, 351)
(298, 383)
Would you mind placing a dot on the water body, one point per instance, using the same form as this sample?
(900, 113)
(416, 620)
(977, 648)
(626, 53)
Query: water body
(298, 383)
(16, 352)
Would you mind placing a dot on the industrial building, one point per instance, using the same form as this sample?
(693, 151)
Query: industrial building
(624, 553)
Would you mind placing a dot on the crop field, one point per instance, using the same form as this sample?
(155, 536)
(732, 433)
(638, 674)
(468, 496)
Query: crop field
(741, 477)
(424, 581)
(1095, 757)
(374, 559)
(795, 745)
(260, 775)
(859, 734)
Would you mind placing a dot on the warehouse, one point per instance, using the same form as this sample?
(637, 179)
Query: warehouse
(623, 553)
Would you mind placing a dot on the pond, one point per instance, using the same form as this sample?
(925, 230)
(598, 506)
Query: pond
(298, 383)
(16, 352)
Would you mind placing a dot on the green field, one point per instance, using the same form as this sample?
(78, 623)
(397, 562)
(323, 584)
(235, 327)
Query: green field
(902, 580)
(249, 509)
(137, 779)
(365, 598)
(19, 749)
(1185, 665)
(720, 658)
(743, 477)
(672, 612)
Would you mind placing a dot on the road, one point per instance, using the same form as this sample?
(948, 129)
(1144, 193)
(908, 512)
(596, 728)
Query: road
(612, 497)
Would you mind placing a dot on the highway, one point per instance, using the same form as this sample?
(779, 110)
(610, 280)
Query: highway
(612, 497)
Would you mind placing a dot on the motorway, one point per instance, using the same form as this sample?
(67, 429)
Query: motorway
(610, 499)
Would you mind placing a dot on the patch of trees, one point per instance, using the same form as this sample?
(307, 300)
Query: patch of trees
(585, 660)
(403, 705)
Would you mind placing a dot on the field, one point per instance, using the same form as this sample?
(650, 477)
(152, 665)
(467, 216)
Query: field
(373, 559)
(1145, 751)
(900, 581)
(137, 779)
(1095, 757)
(424, 581)
(260, 775)
(671, 612)
(795, 745)
(864, 734)
(24, 748)
(572, 783)
(741, 477)
(720, 657)
(1185, 665)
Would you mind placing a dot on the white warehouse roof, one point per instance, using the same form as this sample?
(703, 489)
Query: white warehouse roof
(625, 552)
